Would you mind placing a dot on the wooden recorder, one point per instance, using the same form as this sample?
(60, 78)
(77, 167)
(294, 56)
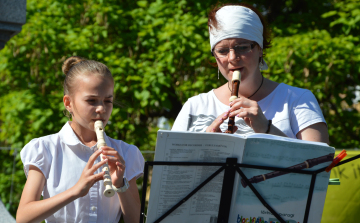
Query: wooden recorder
(304, 165)
(236, 78)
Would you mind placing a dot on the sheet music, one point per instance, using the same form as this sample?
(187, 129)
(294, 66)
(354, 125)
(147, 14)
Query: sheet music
(287, 194)
(172, 183)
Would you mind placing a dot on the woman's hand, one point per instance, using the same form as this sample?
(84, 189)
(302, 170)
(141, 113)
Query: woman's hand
(116, 165)
(215, 126)
(246, 109)
(88, 178)
(251, 112)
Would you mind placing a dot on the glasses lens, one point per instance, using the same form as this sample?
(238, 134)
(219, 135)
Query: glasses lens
(239, 50)
(221, 52)
(242, 49)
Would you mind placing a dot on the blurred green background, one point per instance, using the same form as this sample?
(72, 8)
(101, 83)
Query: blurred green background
(159, 54)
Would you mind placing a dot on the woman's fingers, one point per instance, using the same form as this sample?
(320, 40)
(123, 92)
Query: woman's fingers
(247, 121)
(251, 112)
(240, 102)
(215, 126)
(254, 118)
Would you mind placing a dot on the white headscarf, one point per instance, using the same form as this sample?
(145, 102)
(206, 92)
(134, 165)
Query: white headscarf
(237, 22)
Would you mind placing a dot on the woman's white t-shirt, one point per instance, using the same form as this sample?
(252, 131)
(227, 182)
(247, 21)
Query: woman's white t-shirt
(61, 157)
(291, 110)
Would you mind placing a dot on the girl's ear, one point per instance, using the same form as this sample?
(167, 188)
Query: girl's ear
(67, 104)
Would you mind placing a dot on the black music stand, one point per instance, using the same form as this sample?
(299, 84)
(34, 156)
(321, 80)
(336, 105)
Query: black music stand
(231, 167)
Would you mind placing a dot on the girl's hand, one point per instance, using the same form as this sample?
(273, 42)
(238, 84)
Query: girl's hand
(88, 178)
(116, 164)
(215, 126)
(251, 112)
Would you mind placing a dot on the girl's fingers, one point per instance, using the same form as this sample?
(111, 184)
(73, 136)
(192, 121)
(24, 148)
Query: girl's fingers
(98, 176)
(98, 165)
(92, 158)
(106, 148)
(112, 152)
(121, 159)
(122, 166)
(111, 158)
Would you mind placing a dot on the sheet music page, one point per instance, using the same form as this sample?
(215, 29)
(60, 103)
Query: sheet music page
(287, 194)
(172, 183)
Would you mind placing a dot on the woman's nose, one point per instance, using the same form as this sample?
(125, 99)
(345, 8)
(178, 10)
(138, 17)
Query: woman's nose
(232, 55)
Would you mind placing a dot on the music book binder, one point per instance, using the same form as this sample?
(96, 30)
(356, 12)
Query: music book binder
(230, 168)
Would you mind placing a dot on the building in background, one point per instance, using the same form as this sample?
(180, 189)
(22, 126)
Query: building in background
(12, 17)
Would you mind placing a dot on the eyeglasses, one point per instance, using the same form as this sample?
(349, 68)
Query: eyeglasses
(239, 50)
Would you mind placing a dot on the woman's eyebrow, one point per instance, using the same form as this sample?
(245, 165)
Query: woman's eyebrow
(243, 42)
(236, 43)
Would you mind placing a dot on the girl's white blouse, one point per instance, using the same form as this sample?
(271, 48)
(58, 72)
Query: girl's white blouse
(62, 157)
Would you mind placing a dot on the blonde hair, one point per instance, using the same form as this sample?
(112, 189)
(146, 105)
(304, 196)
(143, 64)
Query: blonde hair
(76, 66)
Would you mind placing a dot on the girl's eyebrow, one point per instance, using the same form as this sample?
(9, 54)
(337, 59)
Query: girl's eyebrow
(94, 96)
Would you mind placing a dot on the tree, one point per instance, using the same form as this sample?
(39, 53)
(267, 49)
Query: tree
(139, 41)
(159, 54)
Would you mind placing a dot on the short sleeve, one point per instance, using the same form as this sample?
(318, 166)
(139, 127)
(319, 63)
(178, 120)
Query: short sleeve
(134, 163)
(306, 112)
(182, 120)
(35, 153)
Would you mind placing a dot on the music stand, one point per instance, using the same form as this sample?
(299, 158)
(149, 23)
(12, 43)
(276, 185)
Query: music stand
(231, 167)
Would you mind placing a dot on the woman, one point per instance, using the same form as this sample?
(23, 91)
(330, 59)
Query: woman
(238, 38)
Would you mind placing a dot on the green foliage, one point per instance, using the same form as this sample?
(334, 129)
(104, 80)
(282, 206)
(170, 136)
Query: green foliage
(347, 17)
(289, 17)
(329, 67)
(6, 178)
(150, 47)
(159, 54)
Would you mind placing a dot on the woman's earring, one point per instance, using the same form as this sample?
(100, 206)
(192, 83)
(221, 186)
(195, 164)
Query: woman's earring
(218, 73)
(261, 64)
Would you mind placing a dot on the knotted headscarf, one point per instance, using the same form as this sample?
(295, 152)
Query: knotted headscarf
(237, 22)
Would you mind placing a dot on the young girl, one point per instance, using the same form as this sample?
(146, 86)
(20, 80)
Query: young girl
(65, 168)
